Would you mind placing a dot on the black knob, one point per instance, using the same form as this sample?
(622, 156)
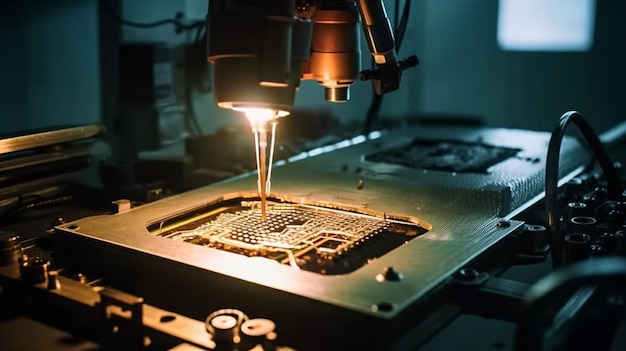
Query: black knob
(10, 248)
(259, 331)
(223, 325)
(34, 270)
(577, 247)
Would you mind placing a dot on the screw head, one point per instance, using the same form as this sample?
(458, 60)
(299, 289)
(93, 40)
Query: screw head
(389, 274)
(467, 274)
(503, 223)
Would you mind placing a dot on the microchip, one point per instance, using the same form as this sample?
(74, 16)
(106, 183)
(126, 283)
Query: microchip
(325, 240)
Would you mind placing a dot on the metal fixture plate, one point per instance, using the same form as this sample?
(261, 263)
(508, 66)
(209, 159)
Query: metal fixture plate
(464, 210)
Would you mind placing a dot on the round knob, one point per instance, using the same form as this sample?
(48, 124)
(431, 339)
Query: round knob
(259, 331)
(10, 248)
(34, 270)
(223, 325)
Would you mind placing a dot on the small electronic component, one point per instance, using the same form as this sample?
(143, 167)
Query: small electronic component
(326, 240)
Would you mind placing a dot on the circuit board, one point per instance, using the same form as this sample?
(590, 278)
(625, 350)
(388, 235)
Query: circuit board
(314, 238)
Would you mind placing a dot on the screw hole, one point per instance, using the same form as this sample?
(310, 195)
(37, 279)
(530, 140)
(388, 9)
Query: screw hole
(72, 227)
(383, 307)
(167, 318)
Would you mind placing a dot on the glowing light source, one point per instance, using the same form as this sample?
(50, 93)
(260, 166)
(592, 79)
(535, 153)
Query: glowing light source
(259, 119)
(546, 25)
(259, 116)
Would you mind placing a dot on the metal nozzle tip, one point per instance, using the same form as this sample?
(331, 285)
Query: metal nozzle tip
(337, 94)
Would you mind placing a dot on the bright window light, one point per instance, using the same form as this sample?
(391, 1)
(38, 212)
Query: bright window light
(546, 25)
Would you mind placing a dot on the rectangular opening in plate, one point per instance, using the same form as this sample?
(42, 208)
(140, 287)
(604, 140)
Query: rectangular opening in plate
(445, 155)
(325, 239)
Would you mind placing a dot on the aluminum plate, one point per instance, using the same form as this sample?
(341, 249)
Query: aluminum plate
(462, 208)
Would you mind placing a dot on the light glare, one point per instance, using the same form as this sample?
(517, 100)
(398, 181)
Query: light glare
(258, 115)
(546, 25)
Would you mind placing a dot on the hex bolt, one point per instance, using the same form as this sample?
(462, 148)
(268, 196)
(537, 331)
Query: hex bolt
(503, 223)
(34, 270)
(389, 274)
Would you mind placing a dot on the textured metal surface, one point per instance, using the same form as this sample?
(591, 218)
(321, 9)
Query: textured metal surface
(444, 155)
(463, 209)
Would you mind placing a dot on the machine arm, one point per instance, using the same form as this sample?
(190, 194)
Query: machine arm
(382, 45)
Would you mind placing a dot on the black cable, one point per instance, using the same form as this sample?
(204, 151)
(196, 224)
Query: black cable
(552, 175)
(373, 112)
(401, 28)
(168, 21)
(539, 309)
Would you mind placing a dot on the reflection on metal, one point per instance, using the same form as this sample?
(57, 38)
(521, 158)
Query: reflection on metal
(313, 237)
(47, 138)
(461, 212)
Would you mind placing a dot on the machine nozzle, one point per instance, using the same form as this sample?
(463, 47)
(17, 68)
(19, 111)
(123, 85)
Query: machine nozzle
(335, 50)
(337, 94)
(263, 120)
